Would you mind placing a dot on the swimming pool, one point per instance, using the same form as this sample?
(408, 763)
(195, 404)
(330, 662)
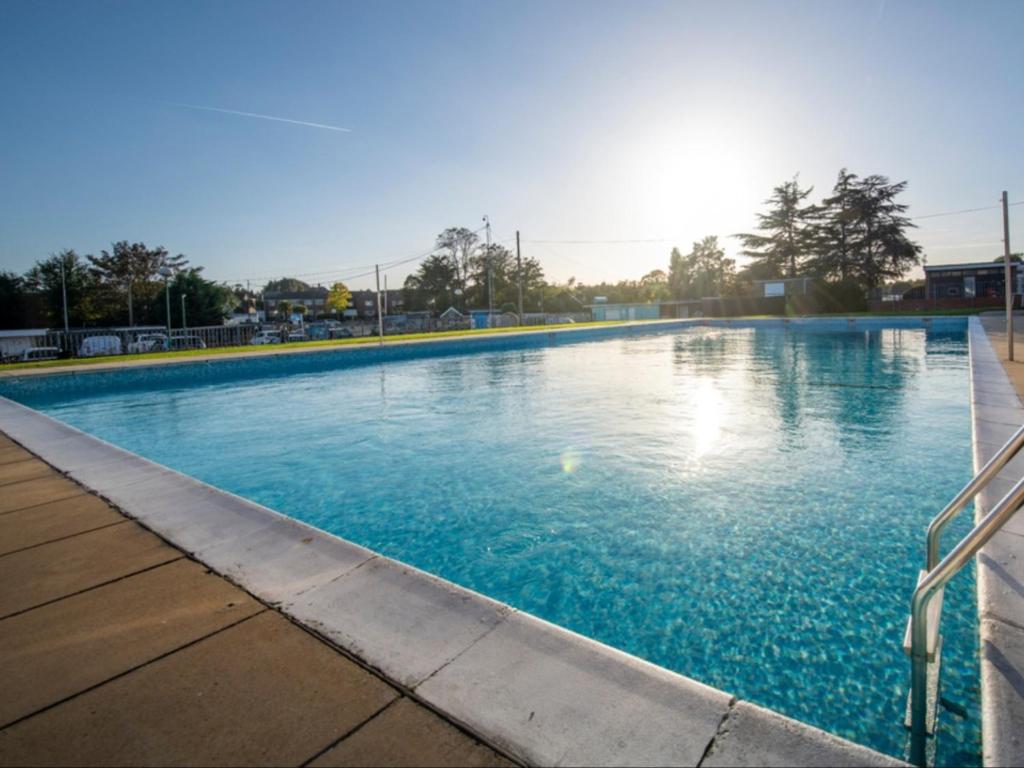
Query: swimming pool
(743, 505)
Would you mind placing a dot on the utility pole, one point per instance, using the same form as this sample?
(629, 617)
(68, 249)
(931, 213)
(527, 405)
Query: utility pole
(385, 293)
(519, 277)
(1008, 272)
(183, 324)
(64, 295)
(380, 317)
(490, 281)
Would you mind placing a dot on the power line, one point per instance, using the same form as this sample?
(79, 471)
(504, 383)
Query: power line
(962, 210)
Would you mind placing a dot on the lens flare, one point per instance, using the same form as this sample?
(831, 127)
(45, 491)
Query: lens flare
(570, 461)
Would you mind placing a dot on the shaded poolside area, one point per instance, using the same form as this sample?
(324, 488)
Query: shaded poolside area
(117, 649)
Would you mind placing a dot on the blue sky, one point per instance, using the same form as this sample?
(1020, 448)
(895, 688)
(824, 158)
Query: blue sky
(565, 120)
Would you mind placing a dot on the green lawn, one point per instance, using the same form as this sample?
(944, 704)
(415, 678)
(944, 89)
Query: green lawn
(249, 348)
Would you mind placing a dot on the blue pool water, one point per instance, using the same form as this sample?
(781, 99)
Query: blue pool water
(745, 506)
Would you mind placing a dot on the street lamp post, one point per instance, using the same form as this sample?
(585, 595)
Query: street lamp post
(166, 273)
(490, 281)
(183, 324)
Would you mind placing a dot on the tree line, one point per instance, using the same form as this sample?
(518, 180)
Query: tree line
(855, 239)
(123, 286)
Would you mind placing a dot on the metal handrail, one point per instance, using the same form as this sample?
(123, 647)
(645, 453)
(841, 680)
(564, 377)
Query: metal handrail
(936, 579)
(994, 465)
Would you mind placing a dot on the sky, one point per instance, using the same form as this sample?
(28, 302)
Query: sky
(648, 122)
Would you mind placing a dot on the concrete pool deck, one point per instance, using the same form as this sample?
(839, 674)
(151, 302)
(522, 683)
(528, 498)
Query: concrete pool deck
(997, 389)
(230, 678)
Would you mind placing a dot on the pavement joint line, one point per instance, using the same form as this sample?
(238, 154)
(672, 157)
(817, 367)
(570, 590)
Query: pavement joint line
(177, 556)
(352, 731)
(80, 492)
(458, 655)
(63, 538)
(720, 731)
(369, 668)
(990, 616)
(127, 672)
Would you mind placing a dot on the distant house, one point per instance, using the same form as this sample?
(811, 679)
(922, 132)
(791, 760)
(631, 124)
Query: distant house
(968, 281)
(365, 303)
(313, 299)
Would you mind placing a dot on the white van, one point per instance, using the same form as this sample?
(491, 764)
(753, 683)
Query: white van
(96, 346)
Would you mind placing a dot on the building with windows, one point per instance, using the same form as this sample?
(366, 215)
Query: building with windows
(313, 299)
(968, 281)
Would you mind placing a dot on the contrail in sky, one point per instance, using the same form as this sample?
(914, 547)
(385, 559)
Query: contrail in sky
(261, 117)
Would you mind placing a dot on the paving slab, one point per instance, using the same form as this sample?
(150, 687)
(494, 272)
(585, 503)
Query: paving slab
(1001, 578)
(56, 520)
(63, 648)
(29, 469)
(29, 493)
(752, 737)
(397, 619)
(1002, 688)
(258, 693)
(550, 697)
(408, 734)
(280, 562)
(38, 575)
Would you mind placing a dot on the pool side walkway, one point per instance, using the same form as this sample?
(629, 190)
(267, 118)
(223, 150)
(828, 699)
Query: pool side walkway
(118, 649)
(997, 395)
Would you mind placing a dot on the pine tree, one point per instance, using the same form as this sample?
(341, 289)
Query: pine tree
(883, 251)
(834, 233)
(787, 230)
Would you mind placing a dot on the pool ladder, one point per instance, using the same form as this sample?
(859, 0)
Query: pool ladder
(922, 641)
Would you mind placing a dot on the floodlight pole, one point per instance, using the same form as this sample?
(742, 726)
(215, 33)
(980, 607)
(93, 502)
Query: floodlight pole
(519, 277)
(380, 317)
(490, 281)
(1008, 272)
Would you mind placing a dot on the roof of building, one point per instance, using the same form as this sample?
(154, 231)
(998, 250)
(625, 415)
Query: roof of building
(970, 265)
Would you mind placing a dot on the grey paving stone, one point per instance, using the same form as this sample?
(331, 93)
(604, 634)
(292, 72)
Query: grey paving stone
(752, 736)
(1002, 694)
(397, 619)
(550, 697)
(280, 562)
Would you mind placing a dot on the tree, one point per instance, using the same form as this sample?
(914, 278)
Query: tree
(286, 285)
(284, 308)
(786, 241)
(654, 285)
(338, 298)
(133, 270)
(834, 233)
(459, 245)
(704, 271)
(86, 301)
(433, 285)
(13, 301)
(882, 250)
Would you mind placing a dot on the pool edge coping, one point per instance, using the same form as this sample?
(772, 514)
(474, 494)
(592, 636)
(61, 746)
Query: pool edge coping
(333, 587)
(1000, 563)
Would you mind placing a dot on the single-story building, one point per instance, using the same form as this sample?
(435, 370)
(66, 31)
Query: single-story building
(783, 286)
(968, 281)
(628, 311)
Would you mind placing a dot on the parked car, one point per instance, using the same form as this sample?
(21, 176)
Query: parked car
(148, 342)
(95, 346)
(186, 342)
(297, 336)
(266, 337)
(341, 333)
(39, 353)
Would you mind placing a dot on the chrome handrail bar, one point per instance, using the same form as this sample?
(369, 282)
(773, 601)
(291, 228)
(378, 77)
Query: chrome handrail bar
(936, 579)
(994, 465)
